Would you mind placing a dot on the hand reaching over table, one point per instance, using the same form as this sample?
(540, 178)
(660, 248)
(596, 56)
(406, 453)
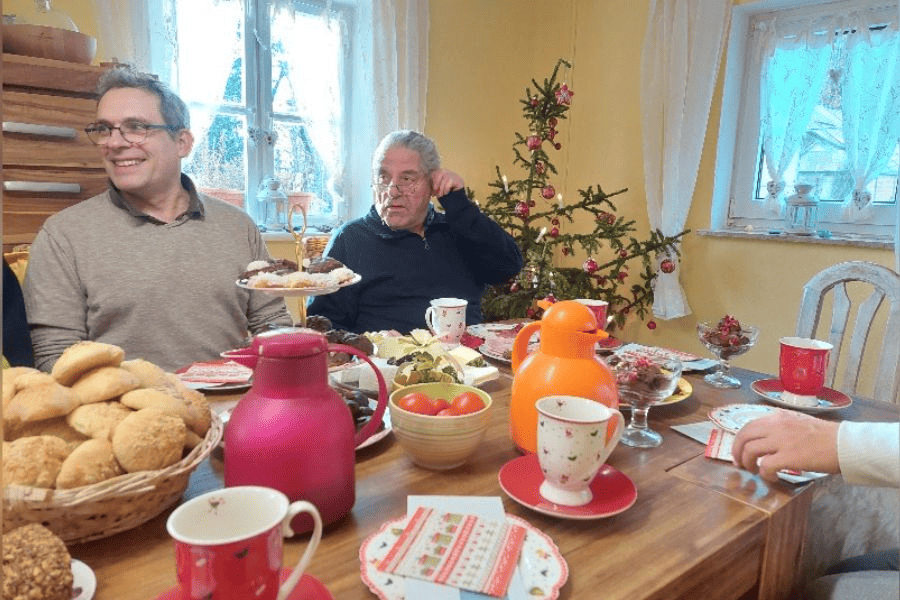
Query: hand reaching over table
(787, 440)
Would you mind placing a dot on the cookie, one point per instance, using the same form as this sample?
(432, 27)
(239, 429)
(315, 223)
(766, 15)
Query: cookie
(36, 564)
(99, 419)
(148, 440)
(91, 462)
(80, 358)
(33, 461)
(104, 383)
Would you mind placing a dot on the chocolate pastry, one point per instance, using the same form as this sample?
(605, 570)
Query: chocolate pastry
(280, 266)
(323, 264)
(318, 322)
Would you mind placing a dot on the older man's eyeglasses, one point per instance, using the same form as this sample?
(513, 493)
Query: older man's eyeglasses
(405, 184)
(131, 131)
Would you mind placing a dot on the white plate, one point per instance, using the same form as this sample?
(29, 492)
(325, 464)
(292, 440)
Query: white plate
(292, 292)
(84, 582)
(734, 416)
(541, 566)
(217, 387)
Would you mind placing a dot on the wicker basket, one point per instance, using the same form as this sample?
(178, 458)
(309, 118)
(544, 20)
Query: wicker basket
(315, 245)
(97, 511)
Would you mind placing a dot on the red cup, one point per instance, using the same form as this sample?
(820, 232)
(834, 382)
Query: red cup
(801, 368)
(228, 544)
(598, 307)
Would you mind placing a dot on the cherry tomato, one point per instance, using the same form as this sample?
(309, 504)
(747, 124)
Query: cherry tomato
(449, 412)
(437, 405)
(467, 402)
(416, 402)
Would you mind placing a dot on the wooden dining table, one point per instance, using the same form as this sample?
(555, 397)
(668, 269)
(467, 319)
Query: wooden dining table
(700, 528)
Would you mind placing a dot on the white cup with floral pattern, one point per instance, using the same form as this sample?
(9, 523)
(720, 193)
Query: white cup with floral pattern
(446, 319)
(575, 436)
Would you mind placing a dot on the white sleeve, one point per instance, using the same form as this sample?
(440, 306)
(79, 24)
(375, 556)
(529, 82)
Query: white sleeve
(869, 453)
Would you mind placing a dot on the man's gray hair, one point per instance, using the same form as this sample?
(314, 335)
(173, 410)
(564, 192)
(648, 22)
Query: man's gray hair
(413, 140)
(174, 110)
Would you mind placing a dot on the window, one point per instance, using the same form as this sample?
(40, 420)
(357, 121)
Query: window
(812, 95)
(268, 98)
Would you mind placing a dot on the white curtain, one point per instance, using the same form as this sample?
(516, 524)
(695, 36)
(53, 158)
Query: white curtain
(682, 49)
(871, 106)
(388, 81)
(793, 72)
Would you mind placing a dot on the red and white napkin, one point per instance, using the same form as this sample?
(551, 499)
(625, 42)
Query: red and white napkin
(460, 550)
(216, 372)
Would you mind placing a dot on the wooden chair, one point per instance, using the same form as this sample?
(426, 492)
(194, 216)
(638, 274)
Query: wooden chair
(885, 287)
(846, 520)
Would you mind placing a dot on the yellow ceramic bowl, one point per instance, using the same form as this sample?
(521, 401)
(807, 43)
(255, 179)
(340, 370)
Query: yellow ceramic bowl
(439, 442)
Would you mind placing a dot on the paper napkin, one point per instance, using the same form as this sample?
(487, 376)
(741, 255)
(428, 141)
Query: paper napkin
(220, 372)
(719, 447)
(489, 507)
(456, 549)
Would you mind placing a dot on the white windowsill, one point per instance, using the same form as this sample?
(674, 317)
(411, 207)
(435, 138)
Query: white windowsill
(835, 240)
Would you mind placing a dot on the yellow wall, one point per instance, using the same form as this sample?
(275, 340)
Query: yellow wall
(82, 12)
(484, 52)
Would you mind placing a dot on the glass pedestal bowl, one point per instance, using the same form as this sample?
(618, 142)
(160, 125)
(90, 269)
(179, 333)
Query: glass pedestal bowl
(643, 380)
(724, 345)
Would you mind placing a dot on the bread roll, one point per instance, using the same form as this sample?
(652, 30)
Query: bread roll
(99, 419)
(104, 383)
(57, 427)
(147, 440)
(39, 402)
(33, 461)
(148, 373)
(27, 376)
(91, 462)
(201, 417)
(36, 565)
(84, 356)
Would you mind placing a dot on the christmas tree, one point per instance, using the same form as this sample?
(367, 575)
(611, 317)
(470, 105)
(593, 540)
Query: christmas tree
(618, 267)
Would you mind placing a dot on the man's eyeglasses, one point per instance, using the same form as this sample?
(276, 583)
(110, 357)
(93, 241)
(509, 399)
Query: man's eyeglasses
(406, 184)
(133, 132)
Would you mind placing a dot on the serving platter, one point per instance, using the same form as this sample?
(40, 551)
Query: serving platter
(541, 565)
(290, 292)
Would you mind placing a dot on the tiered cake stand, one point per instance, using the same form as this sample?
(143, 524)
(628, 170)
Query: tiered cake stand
(300, 250)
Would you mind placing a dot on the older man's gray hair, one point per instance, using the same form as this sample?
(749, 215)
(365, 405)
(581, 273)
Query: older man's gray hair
(413, 140)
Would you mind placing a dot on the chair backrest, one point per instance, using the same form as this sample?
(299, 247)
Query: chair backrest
(885, 288)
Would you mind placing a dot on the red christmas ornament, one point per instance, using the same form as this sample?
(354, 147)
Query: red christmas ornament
(551, 134)
(651, 325)
(530, 313)
(622, 275)
(533, 142)
(551, 299)
(554, 232)
(522, 210)
(623, 253)
(557, 145)
(564, 94)
(548, 192)
(534, 101)
(539, 167)
(667, 266)
(590, 266)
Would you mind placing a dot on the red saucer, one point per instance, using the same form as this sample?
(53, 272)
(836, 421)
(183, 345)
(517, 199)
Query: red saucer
(613, 491)
(308, 588)
(829, 399)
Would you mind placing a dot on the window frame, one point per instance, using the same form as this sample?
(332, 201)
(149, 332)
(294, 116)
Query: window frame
(740, 142)
(258, 105)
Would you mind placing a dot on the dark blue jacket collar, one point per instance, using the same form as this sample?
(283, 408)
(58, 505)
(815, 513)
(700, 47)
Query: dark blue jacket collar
(374, 222)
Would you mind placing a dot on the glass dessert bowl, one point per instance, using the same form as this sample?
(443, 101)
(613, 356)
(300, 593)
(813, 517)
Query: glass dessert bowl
(643, 380)
(726, 339)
